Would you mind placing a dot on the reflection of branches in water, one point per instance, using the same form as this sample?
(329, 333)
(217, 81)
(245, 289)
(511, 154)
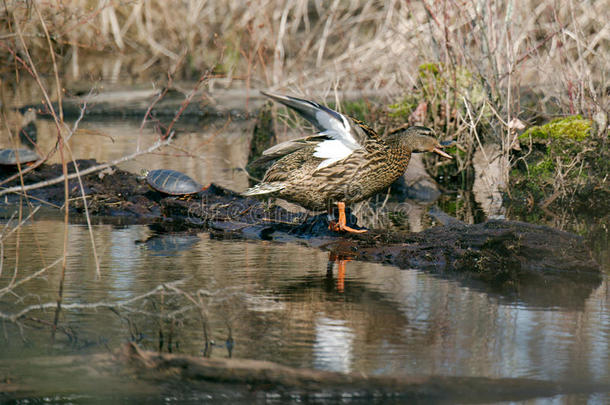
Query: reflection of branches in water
(94, 305)
(134, 333)
(9, 229)
(167, 302)
(6, 233)
(14, 284)
(168, 305)
(204, 299)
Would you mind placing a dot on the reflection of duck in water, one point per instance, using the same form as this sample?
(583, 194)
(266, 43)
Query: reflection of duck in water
(345, 162)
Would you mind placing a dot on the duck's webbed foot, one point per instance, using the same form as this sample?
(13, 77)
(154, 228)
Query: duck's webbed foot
(341, 224)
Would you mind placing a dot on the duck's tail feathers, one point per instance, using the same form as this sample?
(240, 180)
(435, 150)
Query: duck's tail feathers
(264, 188)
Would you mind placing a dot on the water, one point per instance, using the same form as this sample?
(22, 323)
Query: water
(273, 301)
(278, 302)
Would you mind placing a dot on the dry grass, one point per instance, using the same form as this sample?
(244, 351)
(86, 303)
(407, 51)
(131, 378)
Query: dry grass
(368, 44)
(492, 61)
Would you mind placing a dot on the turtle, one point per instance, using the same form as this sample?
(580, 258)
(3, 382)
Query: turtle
(172, 182)
(12, 157)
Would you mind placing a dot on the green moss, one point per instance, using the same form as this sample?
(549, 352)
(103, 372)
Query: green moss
(231, 54)
(398, 220)
(403, 108)
(544, 168)
(573, 128)
(562, 156)
(565, 139)
(439, 82)
(451, 207)
(426, 69)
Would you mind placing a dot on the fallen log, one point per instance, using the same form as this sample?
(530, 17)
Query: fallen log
(136, 373)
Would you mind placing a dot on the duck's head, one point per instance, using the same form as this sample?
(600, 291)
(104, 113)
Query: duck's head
(419, 139)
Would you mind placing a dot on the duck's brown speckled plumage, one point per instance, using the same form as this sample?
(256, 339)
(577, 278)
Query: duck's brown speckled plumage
(297, 177)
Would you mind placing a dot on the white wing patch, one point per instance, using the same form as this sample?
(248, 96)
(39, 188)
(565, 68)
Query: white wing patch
(342, 143)
(332, 124)
(336, 129)
(332, 151)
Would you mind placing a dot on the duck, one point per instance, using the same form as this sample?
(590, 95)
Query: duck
(345, 162)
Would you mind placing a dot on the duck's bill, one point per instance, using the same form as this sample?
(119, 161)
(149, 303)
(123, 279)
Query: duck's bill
(443, 154)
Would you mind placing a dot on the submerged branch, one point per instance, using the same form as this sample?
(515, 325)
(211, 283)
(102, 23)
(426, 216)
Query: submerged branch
(14, 317)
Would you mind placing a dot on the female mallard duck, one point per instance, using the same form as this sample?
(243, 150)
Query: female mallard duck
(344, 163)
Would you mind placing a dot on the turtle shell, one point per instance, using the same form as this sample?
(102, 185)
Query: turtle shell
(14, 156)
(172, 182)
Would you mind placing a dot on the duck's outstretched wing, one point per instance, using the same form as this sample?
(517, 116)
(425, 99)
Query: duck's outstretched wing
(282, 149)
(323, 118)
(338, 136)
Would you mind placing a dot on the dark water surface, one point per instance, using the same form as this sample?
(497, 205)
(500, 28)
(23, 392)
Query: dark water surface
(273, 301)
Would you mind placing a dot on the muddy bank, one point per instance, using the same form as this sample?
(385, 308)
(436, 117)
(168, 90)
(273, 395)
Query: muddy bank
(136, 373)
(497, 252)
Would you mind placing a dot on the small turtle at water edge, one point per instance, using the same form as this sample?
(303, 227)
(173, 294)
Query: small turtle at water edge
(12, 157)
(172, 182)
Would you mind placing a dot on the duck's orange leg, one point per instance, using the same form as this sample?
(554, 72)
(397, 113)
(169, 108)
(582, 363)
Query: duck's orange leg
(341, 225)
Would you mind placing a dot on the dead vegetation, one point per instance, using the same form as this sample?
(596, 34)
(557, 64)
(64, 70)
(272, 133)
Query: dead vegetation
(472, 70)
(467, 68)
(361, 45)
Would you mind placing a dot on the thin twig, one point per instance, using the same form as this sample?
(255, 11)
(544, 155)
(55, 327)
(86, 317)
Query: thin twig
(5, 234)
(90, 170)
(36, 274)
